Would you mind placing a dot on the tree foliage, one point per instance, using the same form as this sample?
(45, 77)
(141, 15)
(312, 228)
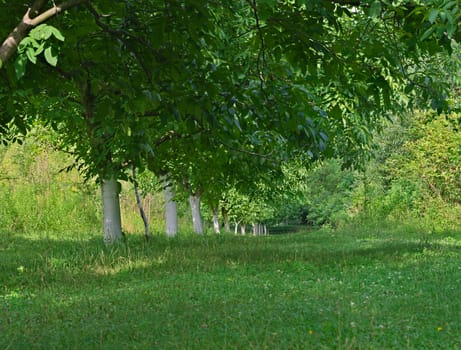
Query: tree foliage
(189, 87)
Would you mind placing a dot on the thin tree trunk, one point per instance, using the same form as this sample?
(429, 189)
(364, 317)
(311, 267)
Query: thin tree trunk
(140, 208)
(243, 229)
(216, 221)
(171, 208)
(111, 210)
(197, 222)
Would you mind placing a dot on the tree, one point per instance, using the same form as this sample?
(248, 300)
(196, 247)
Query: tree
(309, 77)
(82, 104)
(15, 32)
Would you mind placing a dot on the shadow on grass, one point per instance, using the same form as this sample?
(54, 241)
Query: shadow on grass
(35, 264)
(195, 292)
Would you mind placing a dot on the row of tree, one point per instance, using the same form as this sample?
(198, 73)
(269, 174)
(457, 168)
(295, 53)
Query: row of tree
(215, 97)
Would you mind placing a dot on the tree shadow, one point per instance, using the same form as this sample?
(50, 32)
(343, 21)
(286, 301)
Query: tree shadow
(34, 264)
(196, 272)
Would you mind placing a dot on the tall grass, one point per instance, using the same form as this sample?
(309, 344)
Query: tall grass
(37, 196)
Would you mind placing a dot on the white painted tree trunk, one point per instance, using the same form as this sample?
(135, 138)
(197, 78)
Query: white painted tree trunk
(111, 211)
(258, 229)
(216, 221)
(243, 229)
(171, 209)
(194, 201)
(236, 227)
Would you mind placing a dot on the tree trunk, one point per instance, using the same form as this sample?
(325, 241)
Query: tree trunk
(111, 210)
(142, 212)
(216, 221)
(255, 229)
(171, 209)
(225, 218)
(139, 204)
(243, 229)
(194, 201)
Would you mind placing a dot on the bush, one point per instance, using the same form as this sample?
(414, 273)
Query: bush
(328, 198)
(416, 174)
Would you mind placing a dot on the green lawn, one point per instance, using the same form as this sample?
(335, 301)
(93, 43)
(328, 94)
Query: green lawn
(350, 289)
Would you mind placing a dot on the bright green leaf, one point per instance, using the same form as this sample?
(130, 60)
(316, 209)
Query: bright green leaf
(26, 42)
(57, 34)
(40, 49)
(30, 52)
(52, 60)
(41, 32)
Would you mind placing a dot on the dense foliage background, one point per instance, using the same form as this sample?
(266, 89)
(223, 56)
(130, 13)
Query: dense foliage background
(413, 177)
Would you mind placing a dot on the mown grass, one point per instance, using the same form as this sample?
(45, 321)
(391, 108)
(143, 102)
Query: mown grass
(368, 288)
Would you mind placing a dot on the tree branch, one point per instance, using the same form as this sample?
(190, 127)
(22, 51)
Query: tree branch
(125, 36)
(166, 137)
(101, 24)
(29, 21)
(262, 51)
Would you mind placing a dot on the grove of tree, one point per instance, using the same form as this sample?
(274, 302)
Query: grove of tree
(220, 98)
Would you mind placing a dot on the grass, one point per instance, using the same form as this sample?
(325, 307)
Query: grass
(369, 288)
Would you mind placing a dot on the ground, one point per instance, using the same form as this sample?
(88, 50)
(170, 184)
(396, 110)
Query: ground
(367, 288)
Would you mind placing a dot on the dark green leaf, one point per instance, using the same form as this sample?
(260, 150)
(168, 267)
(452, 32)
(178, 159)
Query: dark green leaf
(20, 66)
(433, 13)
(375, 9)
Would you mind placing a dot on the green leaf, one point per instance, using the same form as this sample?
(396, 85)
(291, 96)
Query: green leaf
(20, 66)
(41, 32)
(451, 28)
(433, 13)
(427, 33)
(30, 53)
(40, 49)
(52, 60)
(375, 9)
(24, 44)
(237, 123)
(57, 34)
(44, 32)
